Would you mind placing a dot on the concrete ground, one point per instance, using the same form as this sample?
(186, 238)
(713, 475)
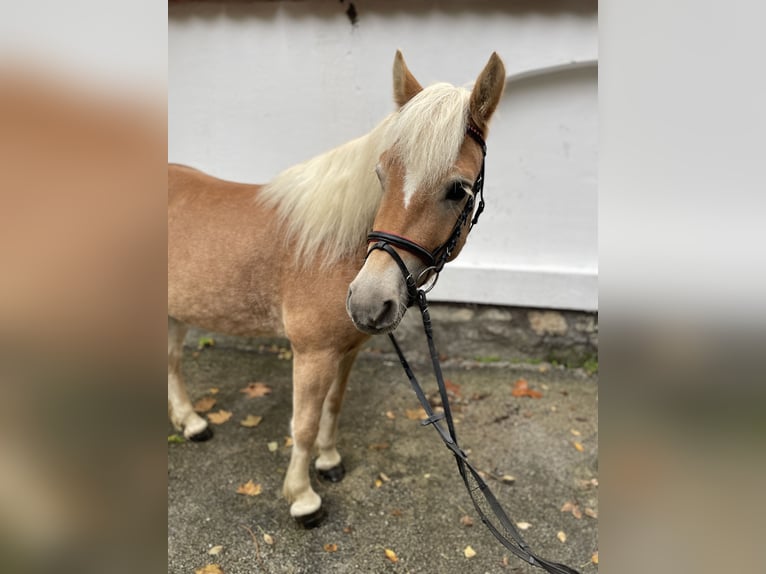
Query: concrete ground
(417, 511)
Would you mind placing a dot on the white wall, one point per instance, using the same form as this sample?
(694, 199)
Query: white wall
(254, 88)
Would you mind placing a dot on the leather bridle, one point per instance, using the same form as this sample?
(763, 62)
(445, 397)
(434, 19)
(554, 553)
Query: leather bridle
(492, 514)
(436, 259)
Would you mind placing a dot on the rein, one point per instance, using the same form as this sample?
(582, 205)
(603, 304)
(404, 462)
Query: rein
(491, 513)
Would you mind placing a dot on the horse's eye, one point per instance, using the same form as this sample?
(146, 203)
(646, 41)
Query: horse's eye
(456, 191)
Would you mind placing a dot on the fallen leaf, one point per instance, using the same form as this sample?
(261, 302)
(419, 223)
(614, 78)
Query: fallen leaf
(417, 414)
(273, 446)
(396, 512)
(379, 446)
(578, 446)
(508, 479)
(288, 441)
(590, 512)
(330, 547)
(347, 530)
(391, 555)
(384, 477)
(255, 390)
(469, 552)
(561, 536)
(249, 489)
(390, 415)
(594, 558)
(209, 569)
(204, 404)
(466, 520)
(268, 539)
(220, 417)
(570, 506)
(505, 562)
(176, 439)
(213, 390)
(523, 525)
(521, 389)
(251, 421)
(575, 432)
(215, 550)
(454, 388)
(378, 483)
(205, 342)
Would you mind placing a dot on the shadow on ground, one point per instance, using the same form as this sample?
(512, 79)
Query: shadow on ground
(417, 512)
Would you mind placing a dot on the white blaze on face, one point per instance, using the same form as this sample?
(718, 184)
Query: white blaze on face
(411, 184)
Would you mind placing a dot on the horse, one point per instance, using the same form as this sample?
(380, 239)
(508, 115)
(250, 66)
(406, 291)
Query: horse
(291, 258)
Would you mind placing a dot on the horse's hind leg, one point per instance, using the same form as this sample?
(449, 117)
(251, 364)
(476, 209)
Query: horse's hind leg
(180, 409)
(329, 465)
(313, 375)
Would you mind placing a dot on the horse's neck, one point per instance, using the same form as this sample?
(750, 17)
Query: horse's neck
(328, 203)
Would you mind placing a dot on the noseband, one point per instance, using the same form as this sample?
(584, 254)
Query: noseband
(436, 259)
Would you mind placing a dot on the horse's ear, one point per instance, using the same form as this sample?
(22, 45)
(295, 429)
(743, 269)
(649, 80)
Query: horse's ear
(487, 92)
(405, 85)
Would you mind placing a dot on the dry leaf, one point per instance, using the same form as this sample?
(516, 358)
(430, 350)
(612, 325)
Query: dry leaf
(384, 477)
(578, 446)
(505, 561)
(417, 414)
(508, 479)
(379, 446)
(590, 512)
(215, 550)
(330, 547)
(396, 512)
(268, 539)
(594, 558)
(466, 520)
(249, 489)
(391, 555)
(288, 441)
(213, 390)
(220, 417)
(273, 446)
(390, 415)
(521, 389)
(561, 536)
(570, 506)
(523, 525)
(254, 390)
(575, 432)
(347, 530)
(454, 388)
(469, 552)
(378, 483)
(204, 404)
(209, 569)
(251, 421)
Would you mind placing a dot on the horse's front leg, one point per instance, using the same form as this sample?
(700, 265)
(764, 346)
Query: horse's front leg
(313, 375)
(329, 465)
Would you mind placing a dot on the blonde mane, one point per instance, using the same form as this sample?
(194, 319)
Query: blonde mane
(328, 203)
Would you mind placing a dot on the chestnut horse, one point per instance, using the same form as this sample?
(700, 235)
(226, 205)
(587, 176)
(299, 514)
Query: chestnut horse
(290, 258)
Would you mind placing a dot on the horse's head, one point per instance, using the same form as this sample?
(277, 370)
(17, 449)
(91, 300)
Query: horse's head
(431, 177)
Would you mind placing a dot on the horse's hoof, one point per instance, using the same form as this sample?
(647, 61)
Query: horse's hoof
(203, 435)
(309, 521)
(334, 474)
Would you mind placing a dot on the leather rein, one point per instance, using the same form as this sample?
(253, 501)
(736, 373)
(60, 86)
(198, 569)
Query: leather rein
(492, 514)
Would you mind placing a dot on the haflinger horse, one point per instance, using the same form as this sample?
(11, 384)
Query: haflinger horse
(290, 258)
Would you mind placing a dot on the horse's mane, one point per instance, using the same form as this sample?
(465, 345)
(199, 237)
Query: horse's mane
(327, 204)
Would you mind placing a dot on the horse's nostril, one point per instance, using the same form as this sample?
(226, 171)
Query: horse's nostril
(385, 310)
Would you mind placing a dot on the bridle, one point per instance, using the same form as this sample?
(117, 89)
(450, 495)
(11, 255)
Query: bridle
(436, 259)
(492, 514)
